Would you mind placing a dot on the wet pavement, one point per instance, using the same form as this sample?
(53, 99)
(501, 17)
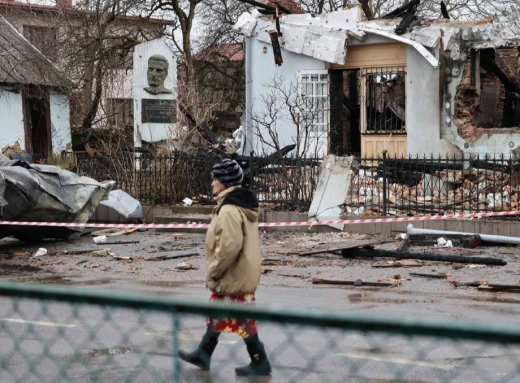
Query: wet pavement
(363, 359)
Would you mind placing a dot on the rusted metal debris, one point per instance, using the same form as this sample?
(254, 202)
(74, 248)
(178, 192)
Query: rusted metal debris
(278, 60)
(318, 281)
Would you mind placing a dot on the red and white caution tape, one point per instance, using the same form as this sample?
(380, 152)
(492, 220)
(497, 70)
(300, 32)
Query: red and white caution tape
(264, 224)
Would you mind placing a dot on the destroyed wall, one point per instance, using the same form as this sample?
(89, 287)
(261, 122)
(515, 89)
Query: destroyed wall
(423, 119)
(468, 98)
(12, 134)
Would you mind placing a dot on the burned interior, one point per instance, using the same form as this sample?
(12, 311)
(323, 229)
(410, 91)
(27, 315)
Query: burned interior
(489, 94)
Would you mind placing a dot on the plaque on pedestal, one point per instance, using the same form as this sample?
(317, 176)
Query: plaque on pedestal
(158, 111)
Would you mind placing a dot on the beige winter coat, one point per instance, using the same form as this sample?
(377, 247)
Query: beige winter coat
(232, 246)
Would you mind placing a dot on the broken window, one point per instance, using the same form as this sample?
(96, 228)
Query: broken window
(314, 105)
(383, 100)
(120, 112)
(43, 38)
(497, 86)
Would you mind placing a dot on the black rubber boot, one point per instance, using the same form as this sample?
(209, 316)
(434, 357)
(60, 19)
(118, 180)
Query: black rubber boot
(259, 364)
(201, 357)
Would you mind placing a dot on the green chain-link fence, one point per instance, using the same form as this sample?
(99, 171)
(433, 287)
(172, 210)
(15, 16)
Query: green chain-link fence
(53, 334)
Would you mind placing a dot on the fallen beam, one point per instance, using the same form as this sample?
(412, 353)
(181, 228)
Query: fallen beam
(167, 257)
(505, 289)
(317, 281)
(484, 285)
(334, 249)
(275, 43)
(484, 237)
(502, 71)
(365, 253)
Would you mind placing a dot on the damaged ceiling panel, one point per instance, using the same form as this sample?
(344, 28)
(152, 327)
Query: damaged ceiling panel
(325, 37)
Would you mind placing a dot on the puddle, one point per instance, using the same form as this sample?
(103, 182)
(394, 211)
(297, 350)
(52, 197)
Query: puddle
(18, 269)
(367, 298)
(376, 350)
(109, 351)
(60, 280)
(169, 283)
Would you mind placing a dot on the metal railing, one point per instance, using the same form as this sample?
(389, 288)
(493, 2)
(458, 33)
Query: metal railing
(52, 334)
(434, 185)
(380, 186)
(289, 183)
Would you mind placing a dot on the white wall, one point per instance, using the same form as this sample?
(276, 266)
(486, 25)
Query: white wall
(151, 132)
(11, 114)
(60, 123)
(423, 123)
(260, 70)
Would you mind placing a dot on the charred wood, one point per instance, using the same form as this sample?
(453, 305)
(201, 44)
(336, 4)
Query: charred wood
(444, 11)
(364, 253)
(398, 12)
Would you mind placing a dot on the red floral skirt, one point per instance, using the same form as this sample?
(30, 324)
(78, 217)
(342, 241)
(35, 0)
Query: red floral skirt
(243, 327)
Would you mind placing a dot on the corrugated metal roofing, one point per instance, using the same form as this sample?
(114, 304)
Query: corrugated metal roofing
(21, 63)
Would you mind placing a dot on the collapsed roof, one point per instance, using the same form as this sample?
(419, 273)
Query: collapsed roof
(326, 36)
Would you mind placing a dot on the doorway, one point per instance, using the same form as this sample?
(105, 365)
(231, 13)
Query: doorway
(38, 140)
(345, 111)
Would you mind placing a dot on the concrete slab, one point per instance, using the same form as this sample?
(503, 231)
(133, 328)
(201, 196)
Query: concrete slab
(485, 227)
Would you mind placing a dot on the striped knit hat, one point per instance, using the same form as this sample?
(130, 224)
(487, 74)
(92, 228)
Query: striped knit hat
(228, 172)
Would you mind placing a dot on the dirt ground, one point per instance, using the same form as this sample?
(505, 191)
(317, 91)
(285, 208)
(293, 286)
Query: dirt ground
(282, 265)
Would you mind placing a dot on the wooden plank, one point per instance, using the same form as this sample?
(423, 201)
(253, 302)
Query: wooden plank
(373, 55)
(438, 276)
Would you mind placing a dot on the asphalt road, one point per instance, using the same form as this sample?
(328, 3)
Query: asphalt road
(58, 342)
(67, 343)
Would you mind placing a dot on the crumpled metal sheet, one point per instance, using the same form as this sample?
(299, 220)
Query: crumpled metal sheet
(45, 193)
(124, 204)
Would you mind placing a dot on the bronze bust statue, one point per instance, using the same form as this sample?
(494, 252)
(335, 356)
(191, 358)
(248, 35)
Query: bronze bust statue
(156, 73)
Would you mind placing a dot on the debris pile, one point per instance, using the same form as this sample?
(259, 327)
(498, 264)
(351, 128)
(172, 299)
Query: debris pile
(437, 191)
(45, 193)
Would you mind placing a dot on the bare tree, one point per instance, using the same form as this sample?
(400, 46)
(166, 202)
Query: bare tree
(285, 104)
(95, 42)
(185, 12)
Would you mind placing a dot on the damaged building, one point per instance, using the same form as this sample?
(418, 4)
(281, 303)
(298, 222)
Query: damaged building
(34, 102)
(399, 83)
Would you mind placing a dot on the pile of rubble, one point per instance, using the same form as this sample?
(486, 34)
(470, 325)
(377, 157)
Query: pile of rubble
(440, 191)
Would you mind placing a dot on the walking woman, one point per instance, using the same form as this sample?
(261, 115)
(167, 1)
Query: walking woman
(233, 267)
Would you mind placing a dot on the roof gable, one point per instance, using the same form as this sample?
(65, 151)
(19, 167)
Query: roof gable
(21, 63)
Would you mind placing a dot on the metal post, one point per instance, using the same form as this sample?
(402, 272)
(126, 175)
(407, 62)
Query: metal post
(384, 183)
(251, 170)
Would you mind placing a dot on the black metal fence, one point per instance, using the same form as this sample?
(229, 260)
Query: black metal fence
(157, 180)
(380, 186)
(285, 182)
(434, 185)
